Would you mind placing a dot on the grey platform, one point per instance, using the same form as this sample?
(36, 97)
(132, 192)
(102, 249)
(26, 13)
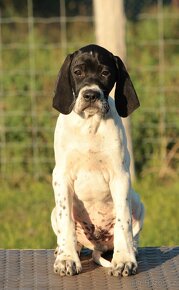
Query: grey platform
(33, 269)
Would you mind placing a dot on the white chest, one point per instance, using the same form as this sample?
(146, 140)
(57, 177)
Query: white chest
(90, 151)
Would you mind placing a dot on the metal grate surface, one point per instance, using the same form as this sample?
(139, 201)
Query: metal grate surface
(33, 269)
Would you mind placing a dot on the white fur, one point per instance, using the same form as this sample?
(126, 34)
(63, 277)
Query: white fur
(81, 142)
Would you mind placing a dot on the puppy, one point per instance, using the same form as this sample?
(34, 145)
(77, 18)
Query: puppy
(95, 206)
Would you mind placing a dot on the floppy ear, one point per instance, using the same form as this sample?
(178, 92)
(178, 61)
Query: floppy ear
(63, 99)
(126, 99)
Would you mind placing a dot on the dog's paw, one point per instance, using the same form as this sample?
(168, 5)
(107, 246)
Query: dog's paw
(67, 266)
(121, 268)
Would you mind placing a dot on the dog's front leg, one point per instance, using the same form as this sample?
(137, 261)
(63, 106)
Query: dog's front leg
(124, 261)
(67, 261)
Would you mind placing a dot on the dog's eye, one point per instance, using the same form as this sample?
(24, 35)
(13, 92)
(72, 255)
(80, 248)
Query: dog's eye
(78, 72)
(105, 73)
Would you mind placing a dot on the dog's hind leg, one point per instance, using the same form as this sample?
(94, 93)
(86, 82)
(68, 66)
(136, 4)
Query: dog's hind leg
(54, 227)
(54, 221)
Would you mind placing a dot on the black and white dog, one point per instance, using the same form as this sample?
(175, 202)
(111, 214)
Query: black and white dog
(95, 206)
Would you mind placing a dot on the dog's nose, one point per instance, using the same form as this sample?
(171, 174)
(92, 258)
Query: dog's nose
(91, 96)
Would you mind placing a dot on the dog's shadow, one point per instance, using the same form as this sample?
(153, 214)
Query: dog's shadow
(148, 258)
(152, 257)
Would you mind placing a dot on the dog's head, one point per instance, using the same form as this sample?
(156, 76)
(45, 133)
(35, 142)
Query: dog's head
(85, 80)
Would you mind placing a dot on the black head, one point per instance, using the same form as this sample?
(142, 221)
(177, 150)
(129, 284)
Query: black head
(86, 78)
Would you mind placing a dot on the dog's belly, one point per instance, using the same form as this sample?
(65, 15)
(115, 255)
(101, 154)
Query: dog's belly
(94, 223)
(93, 206)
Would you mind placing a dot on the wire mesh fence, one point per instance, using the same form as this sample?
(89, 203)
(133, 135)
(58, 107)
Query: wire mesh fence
(32, 48)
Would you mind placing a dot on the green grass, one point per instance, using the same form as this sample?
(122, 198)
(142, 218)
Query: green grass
(161, 218)
(25, 214)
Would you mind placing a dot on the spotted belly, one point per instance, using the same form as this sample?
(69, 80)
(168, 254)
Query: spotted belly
(95, 226)
(95, 237)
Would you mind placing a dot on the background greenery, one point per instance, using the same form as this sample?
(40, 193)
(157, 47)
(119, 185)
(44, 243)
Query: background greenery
(27, 121)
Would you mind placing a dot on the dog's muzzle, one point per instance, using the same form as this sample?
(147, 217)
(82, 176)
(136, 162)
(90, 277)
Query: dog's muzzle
(91, 99)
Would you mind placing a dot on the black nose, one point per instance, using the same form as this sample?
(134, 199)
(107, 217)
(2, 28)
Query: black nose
(91, 96)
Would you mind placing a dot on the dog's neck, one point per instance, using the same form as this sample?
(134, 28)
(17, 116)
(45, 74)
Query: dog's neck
(90, 122)
(93, 123)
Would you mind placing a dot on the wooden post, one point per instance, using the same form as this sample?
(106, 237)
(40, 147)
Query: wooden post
(110, 33)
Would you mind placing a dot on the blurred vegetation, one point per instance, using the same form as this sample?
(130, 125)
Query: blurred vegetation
(156, 124)
(28, 121)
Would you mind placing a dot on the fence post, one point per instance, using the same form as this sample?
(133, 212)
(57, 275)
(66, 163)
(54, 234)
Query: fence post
(110, 33)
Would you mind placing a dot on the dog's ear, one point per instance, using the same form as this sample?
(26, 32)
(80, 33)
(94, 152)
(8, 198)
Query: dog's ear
(63, 99)
(126, 99)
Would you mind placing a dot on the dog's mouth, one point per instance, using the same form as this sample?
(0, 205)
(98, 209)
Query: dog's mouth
(90, 107)
(98, 107)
